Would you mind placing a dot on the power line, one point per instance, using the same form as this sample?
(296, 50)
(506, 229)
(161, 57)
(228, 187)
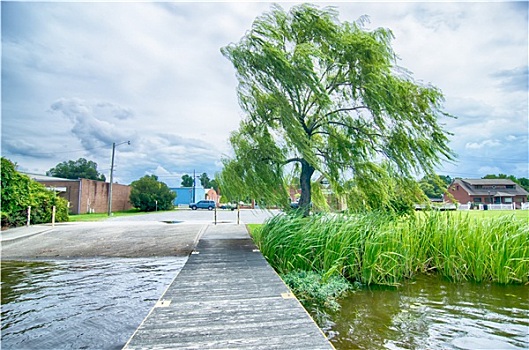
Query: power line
(71, 151)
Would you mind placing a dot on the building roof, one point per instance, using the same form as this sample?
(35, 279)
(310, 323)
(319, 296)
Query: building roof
(489, 182)
(490, 187)
(38, 177)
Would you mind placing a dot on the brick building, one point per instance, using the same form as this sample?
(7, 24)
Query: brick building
(87, 196)
(487, 191)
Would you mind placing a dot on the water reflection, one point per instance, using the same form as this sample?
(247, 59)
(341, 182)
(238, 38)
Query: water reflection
(79, 304)
(431, 313)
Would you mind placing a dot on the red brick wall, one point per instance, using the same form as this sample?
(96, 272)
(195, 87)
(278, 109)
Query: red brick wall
(120, 197)
(94, 195)
(459, 193)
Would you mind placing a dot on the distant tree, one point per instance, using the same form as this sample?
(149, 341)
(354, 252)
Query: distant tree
(329, 97)
(187, 181)
(434, 186)
(204, 180)
(148, 193)
(79, 169)
(501, 176)
(524, 182)
(18, 192)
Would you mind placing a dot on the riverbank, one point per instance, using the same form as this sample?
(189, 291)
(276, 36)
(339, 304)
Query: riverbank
(374, 248)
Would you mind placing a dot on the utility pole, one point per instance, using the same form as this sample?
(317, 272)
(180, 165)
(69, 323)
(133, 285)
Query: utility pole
(194, 180)
(112, 176)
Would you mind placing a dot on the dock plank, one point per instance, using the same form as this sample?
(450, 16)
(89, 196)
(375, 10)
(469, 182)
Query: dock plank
(227, 297)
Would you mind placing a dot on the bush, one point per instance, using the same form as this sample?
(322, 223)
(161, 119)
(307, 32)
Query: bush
(148, 194)
(19, 192)
(315, 289)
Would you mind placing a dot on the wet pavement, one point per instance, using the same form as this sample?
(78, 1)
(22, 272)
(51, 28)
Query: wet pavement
(163, 234)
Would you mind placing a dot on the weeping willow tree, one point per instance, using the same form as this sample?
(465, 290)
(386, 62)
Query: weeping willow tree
(326, 97)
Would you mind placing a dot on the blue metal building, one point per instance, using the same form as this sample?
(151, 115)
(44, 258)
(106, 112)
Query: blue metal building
(184, 195)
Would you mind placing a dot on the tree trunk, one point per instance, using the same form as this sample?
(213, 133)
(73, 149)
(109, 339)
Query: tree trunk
(305, 200)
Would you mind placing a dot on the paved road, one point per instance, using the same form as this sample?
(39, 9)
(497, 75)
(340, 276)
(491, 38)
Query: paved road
(247, 216)
(158, 234)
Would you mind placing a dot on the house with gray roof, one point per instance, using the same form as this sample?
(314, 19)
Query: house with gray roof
(487, 191)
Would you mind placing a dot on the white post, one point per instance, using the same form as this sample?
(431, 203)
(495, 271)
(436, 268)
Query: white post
(53, 216)
(29, 216)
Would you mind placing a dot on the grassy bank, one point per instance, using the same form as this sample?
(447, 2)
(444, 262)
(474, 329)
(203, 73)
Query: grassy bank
(377, 249)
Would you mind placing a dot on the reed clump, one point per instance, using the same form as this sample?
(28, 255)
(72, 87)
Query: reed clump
(375, 248)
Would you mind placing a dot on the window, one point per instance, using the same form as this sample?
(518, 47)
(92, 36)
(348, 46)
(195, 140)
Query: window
(507, 200)
(510, 186)
(477, 199)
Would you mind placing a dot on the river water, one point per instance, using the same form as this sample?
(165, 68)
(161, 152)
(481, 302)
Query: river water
(97, 304)
(82, 303)
(432, 313)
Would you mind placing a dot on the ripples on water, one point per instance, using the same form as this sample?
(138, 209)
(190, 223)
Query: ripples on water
(80, 304)
(431, 313)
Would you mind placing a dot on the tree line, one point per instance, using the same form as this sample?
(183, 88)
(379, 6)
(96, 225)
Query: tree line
(205, 181)
(149, 194)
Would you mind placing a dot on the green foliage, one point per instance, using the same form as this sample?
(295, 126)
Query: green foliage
(206, 182)
(376, 248)
(329, 97)
(382, 189)
(79, 169)
(187, 181)
(19, 192)
(148, 194)
(316, 290)
(434, 186)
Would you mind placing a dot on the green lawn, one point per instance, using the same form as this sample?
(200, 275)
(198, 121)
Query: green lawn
(104, 216)
(518, 214)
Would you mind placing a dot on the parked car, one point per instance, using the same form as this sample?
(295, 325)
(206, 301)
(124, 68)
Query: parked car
(204, 204)
(228, 206)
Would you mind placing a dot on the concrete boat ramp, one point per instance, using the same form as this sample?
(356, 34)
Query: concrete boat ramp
(227, 297)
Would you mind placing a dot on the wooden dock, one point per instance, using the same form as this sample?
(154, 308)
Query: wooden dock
(227, 297)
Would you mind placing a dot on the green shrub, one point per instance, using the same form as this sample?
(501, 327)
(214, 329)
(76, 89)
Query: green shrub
(19, 192)
(149, 194)
(317, 290)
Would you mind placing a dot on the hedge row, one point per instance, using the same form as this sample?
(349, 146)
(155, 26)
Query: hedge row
(19, 192)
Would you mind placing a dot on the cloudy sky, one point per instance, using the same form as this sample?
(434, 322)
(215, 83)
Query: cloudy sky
(77, 77)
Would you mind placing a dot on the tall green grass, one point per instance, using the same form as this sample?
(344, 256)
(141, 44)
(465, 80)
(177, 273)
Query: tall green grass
(375, 248)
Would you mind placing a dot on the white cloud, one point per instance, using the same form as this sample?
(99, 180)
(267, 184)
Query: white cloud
(483, 144)
(153, 73)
